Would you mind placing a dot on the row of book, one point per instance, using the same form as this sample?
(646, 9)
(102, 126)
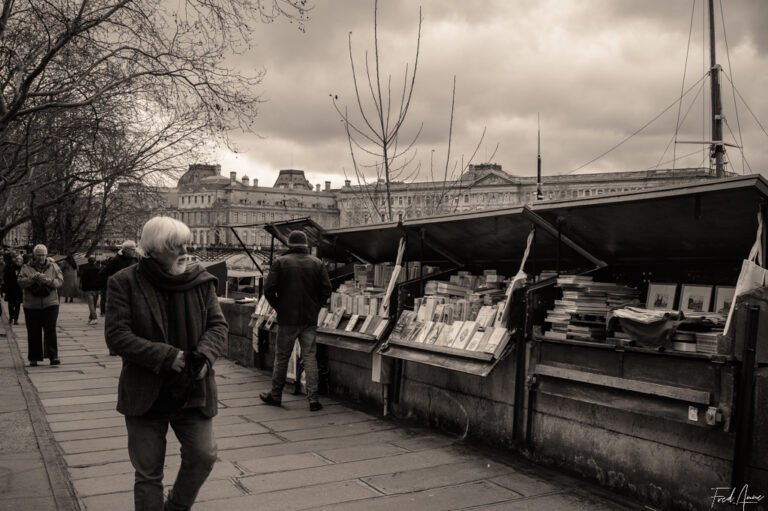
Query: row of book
(370, 324)
(354, 300)
(580, 313)
(379, 275)
(462, 335)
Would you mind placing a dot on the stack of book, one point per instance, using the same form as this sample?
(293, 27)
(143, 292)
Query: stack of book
(710, 342)
(378, 275)
(354, 300)
(581, 312)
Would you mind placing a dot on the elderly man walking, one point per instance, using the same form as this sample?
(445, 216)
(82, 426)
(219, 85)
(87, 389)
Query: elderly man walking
(297, 287)
(164, 320)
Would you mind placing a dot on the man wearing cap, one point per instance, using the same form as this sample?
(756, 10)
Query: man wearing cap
(297, 287)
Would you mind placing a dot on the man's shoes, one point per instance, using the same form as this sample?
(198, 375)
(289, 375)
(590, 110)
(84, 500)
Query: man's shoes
(267, 399)
(93, 321)
(33, 363)
(315, 406)
(55, 361)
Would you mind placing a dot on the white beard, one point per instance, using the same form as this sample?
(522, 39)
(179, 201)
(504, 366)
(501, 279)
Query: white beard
(178, 268)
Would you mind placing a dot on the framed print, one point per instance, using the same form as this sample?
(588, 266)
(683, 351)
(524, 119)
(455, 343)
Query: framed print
(661, 296)
(723, 299)
(695, 298)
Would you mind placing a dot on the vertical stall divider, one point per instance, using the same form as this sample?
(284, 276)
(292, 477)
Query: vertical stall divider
(745, 405)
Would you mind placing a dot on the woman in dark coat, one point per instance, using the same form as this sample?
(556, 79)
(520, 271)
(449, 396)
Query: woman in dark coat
(13, 293)
(68, 291)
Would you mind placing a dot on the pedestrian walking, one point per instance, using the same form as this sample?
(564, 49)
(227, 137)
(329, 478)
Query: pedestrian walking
(11, 290)
(90, 285)
(40, 279)
(68, 290)
(297, 287)
(124, 258)
(165, 321)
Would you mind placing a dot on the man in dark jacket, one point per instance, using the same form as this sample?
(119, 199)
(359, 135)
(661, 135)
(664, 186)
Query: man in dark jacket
(124, 258)
(165, 321)
(90, 283)
(297, 287)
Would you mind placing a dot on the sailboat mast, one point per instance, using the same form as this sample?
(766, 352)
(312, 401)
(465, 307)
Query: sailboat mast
(717, 148)
(539, 193)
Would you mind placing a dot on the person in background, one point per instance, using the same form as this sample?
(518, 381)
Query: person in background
(40, 279)
(68, 290)
(164, 320)
(297, 287)
(11, 290)
(90, 284)
(124, 258)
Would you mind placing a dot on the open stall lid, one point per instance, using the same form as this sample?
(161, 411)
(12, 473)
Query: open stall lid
(477, 238)
(316, 236)
(712, 222)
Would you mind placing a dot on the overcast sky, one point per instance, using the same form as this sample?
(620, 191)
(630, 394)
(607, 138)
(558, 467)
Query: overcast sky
(595, 70)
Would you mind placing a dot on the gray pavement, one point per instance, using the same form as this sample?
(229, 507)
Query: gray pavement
(63, 447)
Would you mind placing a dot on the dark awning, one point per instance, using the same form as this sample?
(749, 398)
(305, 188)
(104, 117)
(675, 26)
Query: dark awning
(716, 221)
(484, 237)
(315, 235)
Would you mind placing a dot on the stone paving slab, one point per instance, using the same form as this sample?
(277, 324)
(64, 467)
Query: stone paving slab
(361, 452)
(409, 481)
(281, 463)
(436, 499)
(296, 499)
(351, 470)
(281, 448)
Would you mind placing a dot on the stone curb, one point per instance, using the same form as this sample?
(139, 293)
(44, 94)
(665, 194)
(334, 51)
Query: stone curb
(61, 488)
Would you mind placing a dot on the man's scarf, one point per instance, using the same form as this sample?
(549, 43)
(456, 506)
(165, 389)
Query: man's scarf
(183, 302)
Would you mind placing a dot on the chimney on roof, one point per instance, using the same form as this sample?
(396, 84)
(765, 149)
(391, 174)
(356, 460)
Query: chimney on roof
(327, 186)
(232, 177)
(255, 182)
(317, 187)
(347, 183)
(245, 180)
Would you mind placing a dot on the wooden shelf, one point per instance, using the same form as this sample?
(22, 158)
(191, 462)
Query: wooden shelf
(445, 350)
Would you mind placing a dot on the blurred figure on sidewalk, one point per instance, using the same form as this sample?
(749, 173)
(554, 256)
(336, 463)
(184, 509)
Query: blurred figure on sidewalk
(164, 320)
(124, 258)
(11, 290)
(68, 290)
(297, 287)
(90, 285)
(40, 279)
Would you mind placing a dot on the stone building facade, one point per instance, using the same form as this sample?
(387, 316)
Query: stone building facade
(487, 186)
(209, 203)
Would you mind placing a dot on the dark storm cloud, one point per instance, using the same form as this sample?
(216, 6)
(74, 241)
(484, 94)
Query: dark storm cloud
(596, 71)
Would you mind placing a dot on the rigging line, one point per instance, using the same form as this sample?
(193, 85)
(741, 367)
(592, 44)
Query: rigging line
(640, 129)
(674, 137)
(671, 161)
(746, 104)
(730, 68)
(682, 86)
(741, 149)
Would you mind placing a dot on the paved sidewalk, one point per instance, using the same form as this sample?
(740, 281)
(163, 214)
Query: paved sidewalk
(269, 458)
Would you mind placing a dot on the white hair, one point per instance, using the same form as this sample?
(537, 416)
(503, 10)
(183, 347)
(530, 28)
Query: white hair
(40, 248)
(163, 233)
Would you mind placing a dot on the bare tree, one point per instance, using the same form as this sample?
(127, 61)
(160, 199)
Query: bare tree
(376, 134)
(76, 75)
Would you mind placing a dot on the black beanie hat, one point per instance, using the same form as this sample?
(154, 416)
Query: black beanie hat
(297, 239)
